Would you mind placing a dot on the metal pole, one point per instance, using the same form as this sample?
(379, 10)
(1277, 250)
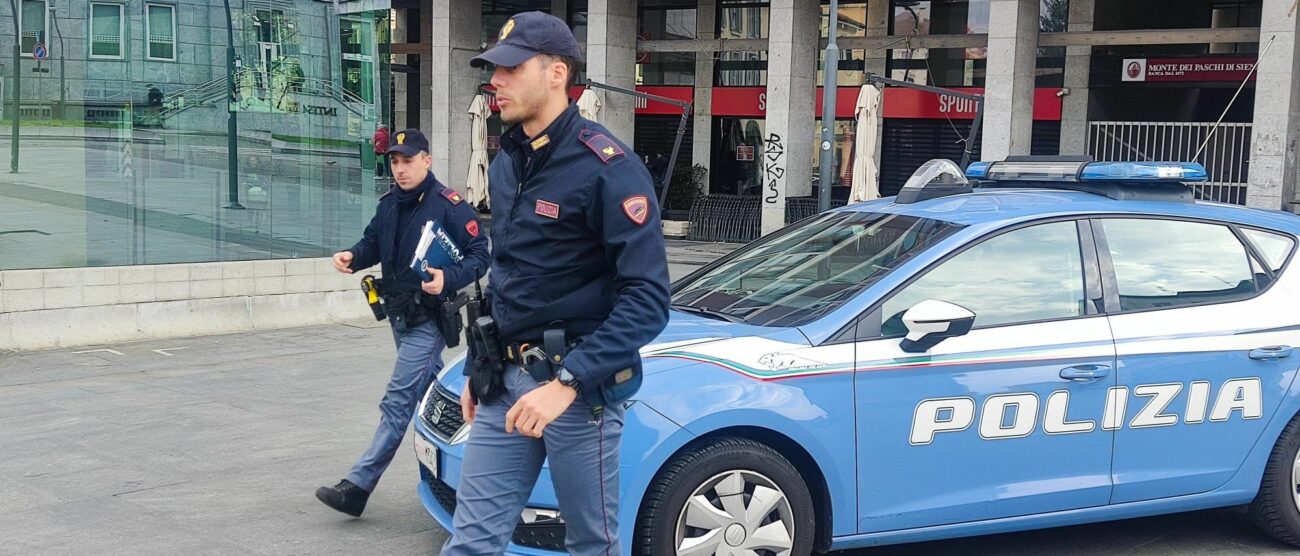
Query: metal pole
(672, 160)
(831, 70)
(974, 134)
(18, 90)
(687, 109)
(969, 148)
(232, 128)
(63, 58)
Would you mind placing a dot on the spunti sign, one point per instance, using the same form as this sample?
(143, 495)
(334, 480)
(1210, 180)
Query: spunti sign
(1157, 70)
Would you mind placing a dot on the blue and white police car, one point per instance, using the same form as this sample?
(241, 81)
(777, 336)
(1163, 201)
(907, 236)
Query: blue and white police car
(1029, 343)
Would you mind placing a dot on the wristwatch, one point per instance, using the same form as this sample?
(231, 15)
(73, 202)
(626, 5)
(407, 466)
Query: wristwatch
(566, 378)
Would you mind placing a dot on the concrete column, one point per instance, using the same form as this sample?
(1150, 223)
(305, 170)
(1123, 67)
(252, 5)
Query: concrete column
(791, 89)
(455, 34)
(702, 132)
(611, 59)
(878, 14)
(426, 73)
(400, 85)
(877, 26)
(1078, 64)
(1009, 84)
(1277, 110)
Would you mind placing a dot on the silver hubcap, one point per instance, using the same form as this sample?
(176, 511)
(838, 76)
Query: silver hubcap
(1295, 480)
(740, 513)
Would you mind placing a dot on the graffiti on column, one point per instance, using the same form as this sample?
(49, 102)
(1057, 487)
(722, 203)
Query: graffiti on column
(773, 150)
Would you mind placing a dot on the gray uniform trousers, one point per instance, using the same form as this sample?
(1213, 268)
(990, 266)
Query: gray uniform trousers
(419, 358)
(500, 470)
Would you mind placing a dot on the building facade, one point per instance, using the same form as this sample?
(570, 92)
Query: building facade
(1114, 79)
(122, 140)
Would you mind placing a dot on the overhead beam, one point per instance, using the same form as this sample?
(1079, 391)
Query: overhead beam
(855, 43)
(1068, 38)
(1155, 36)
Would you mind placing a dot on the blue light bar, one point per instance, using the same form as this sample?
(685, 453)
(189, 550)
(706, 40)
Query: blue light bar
(1144, 171)
(978, 170)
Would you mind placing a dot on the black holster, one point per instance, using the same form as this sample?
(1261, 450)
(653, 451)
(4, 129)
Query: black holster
(446, 316)
(486, 365)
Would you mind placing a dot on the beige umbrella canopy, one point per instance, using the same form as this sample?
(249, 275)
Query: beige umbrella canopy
(589, 105)
(476, 184)
(866, 172)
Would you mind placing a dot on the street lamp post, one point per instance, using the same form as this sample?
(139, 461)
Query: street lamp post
(232, 116)
(831, 70)
(17, 93)
(63, 58)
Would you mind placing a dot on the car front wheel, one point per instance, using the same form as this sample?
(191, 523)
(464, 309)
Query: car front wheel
(731, 496)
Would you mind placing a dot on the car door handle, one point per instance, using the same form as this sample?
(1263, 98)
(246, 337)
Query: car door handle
(1271, 352)
(1085, 373)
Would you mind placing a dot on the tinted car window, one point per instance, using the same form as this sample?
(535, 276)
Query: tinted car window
(1165, 263)
(791, 278)
(1274, 247)
(1030, 274)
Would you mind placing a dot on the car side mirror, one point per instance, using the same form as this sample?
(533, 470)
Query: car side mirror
(932, 321)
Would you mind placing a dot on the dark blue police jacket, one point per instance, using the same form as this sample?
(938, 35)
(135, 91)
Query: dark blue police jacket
(444, 206)
(576, 239)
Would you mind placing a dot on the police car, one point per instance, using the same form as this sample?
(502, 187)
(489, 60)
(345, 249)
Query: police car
(1030, 343)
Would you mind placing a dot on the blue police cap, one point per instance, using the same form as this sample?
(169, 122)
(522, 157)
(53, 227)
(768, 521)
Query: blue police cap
(409, 142)
(526, 35)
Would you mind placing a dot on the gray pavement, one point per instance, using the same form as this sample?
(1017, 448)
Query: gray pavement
(214, 445)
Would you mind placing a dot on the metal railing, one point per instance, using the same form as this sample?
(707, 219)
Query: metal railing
(726, 218)
(1226, 154)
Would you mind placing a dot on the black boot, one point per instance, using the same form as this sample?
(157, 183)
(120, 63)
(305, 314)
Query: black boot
(344, 497)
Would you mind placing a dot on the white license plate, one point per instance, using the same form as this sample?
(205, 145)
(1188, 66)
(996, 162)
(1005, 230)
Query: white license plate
(427, 454)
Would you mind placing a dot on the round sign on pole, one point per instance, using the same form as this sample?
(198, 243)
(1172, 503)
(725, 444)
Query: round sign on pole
(39, 52)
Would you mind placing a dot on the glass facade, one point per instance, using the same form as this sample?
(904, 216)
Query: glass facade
(741, 20)
(120, 150)
(964, 67)
(941, 67)
(852, 23)
(737, 161)
(666, 20)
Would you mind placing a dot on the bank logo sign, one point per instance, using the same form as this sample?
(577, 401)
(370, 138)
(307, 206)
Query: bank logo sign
(1135, 69)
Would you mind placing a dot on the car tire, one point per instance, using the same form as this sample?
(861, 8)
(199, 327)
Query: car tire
(1276, 509)
(709, 474)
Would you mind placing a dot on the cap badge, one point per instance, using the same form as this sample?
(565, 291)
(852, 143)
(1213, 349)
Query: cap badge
(506, 29)
(401, 138)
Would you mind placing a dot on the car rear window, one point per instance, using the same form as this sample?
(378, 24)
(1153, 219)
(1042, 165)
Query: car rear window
(1168, 263)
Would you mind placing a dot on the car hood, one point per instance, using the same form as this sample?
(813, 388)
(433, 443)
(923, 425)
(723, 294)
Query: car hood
(682, 330)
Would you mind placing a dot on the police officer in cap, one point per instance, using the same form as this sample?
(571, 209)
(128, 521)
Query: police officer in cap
(578, 254)
(412, 305)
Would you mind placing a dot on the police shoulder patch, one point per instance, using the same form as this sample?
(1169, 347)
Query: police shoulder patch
(472, 228)
(451, 195)
(637, 209)
(601, 144)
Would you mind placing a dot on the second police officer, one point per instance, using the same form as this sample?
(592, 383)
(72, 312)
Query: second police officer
(412, 306)
(579, 284)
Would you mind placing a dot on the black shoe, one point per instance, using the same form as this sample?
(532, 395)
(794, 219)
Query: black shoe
(344, 497)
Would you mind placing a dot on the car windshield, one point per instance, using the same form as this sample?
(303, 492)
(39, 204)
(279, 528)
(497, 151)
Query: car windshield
(795, 276)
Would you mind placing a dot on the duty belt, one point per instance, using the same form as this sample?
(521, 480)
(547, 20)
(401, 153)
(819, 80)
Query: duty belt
(540, 359)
